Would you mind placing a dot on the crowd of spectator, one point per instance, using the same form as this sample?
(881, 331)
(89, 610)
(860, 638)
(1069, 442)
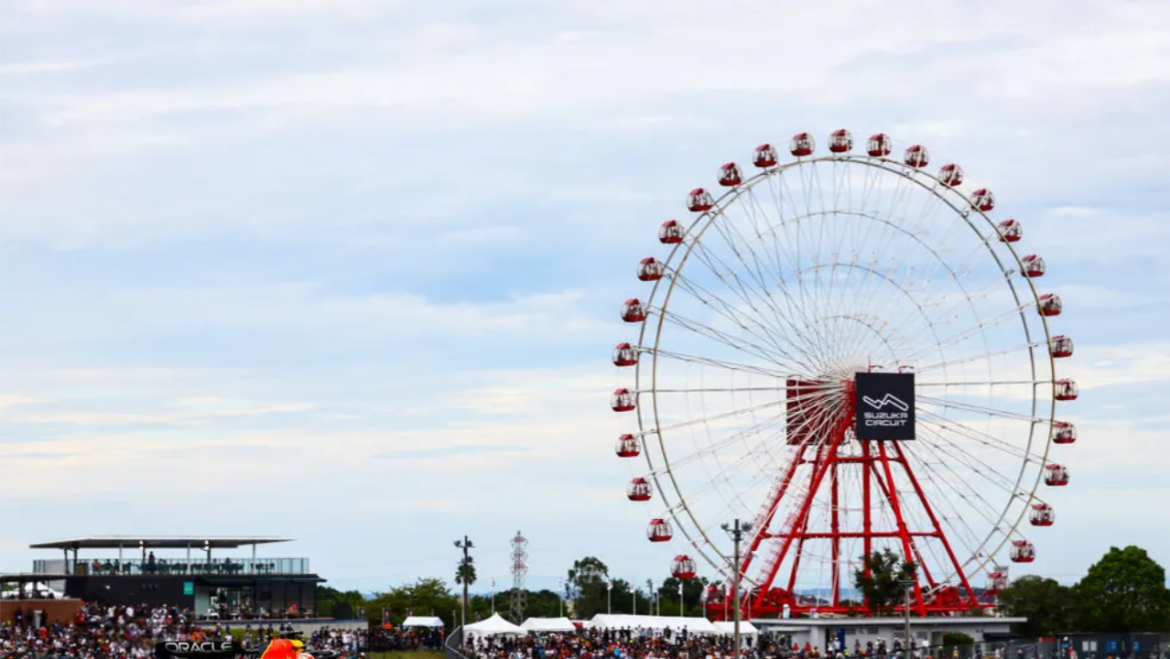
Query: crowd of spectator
(408, 639)
(128, 632)
(627, 644)
(667, 644)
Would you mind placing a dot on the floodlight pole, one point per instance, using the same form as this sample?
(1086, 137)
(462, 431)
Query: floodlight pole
(908, 587)
(466, 545)
(736, 530)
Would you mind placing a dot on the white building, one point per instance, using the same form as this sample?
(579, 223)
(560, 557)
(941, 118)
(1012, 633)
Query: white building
(824, 632)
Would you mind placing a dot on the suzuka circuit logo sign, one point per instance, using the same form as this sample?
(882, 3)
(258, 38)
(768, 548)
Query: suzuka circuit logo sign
(885, 406)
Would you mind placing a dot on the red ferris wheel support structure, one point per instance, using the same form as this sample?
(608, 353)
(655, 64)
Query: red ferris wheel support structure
(822, 417)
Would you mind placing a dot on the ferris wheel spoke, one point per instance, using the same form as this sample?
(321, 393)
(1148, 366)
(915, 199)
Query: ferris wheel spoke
(717, 363)
(730, 341)
(771, 422)
(978, 507)
(976, 435)
(968, 332)
(750, 297)
(741, 320)
(966, 359)
(971, 407)
(948, 489)
(711, 390)
(739, 244)
(719, 416)
(955, 450)
(983, 383)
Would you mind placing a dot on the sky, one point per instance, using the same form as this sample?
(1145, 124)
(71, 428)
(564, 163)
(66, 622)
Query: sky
(349, 271)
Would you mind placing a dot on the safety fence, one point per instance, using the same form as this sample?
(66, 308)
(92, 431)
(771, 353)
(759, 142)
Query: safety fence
(1065, 646)
(453, 647)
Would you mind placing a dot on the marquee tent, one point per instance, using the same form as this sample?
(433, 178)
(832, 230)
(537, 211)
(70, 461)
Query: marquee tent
(625, 621)
(494, 626)
(548, 625)
(422, 621)
(745, 628)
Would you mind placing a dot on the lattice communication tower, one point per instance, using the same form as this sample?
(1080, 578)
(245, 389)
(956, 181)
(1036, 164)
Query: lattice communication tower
(519, 571)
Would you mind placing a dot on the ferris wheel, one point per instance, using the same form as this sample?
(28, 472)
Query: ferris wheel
(850, 352)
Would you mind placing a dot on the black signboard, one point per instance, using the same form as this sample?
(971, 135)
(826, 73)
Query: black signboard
(885, 406)
(203, 650)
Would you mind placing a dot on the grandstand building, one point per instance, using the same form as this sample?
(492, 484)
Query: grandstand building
(206, 574)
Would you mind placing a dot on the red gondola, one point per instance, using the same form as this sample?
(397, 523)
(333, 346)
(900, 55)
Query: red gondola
(638, 490)
(1063, 432)
(625, 355)
(1041, 515)
(951, 175)
(917, 156)
(802, 144)
(729, 175)
(633, 311)
(1060, 346)
(1050, 305)
(670, 233)
(879, 145)
(1056, 475)
(840, 141)
(1023, 551)
(997, 580)
(622, 400)
(1010, 231)
(699, 200)
(659, 530)
(651, 269)
(1033, 266)
(983, 199)
(765, 156)
(682, 567)
(1066, 389)
(628, 447)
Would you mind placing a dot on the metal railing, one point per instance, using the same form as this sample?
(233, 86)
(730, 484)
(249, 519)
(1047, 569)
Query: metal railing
(453, 646)
(174, 566)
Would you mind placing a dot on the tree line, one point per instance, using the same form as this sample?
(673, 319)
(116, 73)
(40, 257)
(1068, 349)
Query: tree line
(1125, 591)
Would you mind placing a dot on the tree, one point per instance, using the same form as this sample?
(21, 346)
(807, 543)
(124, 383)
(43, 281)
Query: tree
(951, 639)
(692, 595)
(1125, 591)
(1049, 607)
(587, 586)
(881, 579)
(333, 603)
(465, 573)
(425, 597)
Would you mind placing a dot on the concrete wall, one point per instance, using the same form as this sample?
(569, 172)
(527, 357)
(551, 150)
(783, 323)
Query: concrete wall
(306, 627)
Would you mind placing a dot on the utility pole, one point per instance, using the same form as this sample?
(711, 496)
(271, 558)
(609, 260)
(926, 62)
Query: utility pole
(682, 603)
(609, 597)
(736, 530)
(650, 594)
(466, 545)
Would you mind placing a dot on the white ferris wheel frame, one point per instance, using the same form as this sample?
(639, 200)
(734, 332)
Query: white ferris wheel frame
(961, 206)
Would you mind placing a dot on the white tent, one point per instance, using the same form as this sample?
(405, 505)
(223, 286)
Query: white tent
(38, 589)
(494, 626)
(422, 621)
(745, 628)
(624, 621)
(548, 625)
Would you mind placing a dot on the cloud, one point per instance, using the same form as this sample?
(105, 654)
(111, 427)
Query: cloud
(371, 253)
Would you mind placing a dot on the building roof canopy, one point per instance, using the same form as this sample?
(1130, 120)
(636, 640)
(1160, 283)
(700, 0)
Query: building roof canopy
(159, 542)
